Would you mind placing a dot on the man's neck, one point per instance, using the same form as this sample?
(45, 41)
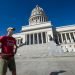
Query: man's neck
(9, 35)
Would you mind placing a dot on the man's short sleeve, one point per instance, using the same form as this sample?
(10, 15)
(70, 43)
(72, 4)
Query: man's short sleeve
(1, 39)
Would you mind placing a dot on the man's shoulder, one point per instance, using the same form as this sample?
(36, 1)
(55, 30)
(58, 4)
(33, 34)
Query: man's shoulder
(2, 37)
(7, 37)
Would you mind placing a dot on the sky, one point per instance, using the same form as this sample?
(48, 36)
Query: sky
(16, 13)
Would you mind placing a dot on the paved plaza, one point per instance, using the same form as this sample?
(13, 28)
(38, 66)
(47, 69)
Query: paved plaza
(45, 66)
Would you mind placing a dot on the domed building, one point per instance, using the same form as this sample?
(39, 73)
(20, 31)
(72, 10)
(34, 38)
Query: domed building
(41, 31)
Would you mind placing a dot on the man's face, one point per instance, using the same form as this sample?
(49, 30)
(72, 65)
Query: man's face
(10, 32)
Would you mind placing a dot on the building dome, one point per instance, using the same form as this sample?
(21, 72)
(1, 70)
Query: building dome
(37, 11)
(37, 16)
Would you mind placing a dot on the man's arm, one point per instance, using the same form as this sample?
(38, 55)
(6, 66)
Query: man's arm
(1, 50)
(15, 49)
(0, 47)
(1, 41)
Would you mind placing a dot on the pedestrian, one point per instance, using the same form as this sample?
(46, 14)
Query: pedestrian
(8, 51)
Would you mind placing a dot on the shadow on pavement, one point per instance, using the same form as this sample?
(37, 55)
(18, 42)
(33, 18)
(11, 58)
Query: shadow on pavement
(57, 72)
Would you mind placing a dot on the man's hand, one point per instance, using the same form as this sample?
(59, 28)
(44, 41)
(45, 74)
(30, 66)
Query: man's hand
(3, 55)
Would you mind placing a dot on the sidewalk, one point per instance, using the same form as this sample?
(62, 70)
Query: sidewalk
(46, 66)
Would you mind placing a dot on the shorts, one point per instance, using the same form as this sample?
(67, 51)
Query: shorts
(4, 64)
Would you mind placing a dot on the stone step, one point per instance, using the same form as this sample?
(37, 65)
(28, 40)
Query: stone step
(40, 50)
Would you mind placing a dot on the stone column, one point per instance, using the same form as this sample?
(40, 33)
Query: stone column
(37, 39)
(61, 38)
(43, 19)
(38, 19)
(33, 38)
(46, 36)
(74, 35)
(19, 41)
(29, 39)
(58, 38)
(25, 39)
(70, 37)
(66, 37)
(41, 38)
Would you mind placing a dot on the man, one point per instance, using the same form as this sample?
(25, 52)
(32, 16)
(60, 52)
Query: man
(8, 50)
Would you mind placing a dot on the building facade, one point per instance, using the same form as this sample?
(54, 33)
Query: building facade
(40, 31)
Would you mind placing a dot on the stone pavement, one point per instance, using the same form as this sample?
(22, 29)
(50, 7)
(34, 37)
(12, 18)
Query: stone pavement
(45, 66)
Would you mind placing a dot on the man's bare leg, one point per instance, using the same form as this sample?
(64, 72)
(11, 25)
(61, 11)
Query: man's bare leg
(14, 72)
(4, 68)
(4, 74)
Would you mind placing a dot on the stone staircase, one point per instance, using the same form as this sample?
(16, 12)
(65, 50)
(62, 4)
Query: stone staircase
(40, 50)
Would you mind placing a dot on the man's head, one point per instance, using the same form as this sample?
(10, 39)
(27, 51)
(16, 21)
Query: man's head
(10, 31)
